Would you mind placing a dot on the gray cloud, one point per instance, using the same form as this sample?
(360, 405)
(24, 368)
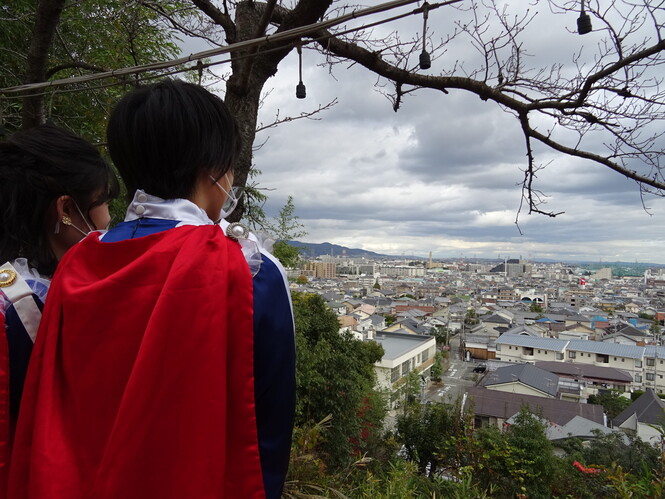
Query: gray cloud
(441, 174)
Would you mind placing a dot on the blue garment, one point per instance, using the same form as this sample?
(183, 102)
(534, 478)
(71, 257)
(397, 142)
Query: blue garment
(19, 346)
(19, 340)
(274, 356)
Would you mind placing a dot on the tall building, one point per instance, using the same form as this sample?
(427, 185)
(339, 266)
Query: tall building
(326, 270)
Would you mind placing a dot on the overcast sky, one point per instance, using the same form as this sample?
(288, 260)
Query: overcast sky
(442, 173)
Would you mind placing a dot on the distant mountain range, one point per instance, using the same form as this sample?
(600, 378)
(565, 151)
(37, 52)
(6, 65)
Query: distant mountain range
(312, 250)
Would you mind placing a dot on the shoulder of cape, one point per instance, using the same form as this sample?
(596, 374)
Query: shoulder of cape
(193, 246)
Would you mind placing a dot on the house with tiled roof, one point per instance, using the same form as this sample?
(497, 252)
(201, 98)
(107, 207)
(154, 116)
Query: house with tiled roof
(526, 379)
(641, 416)
(581, 380)
(491, 407)
(409, 325)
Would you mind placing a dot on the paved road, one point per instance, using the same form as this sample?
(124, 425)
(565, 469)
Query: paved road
(454, 382)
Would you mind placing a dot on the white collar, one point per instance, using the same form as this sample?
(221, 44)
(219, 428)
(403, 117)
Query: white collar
(145, 205)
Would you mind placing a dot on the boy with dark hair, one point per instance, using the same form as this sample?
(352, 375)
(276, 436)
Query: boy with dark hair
(165, 362)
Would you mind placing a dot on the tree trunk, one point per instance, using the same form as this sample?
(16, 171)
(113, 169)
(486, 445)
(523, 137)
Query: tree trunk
(243, 90)
(47, 17)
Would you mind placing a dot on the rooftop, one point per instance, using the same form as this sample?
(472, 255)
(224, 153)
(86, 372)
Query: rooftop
(396, 344)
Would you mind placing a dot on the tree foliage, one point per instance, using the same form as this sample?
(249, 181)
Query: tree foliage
(436, 370)
(536, 307)
(434, 436)
(611, 400)
(286, 227)
(335, 376)
(442, 335)
(471, 318)
(631, 453)
(123, 36)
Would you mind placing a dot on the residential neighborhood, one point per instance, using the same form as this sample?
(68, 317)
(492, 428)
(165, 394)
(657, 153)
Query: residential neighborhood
(509, 334)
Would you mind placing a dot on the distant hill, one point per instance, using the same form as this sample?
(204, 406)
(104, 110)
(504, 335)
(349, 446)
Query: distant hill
(313, 250)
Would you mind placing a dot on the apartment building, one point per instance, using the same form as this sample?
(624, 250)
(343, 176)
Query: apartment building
(403, 354)
(645, 364)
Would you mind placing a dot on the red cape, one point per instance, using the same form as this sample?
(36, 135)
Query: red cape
(141, 380)
(5, 434)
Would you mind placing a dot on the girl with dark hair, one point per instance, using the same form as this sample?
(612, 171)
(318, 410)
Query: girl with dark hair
(54, 189)
(186, 387)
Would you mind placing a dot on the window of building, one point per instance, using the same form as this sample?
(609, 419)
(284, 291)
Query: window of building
(623, 360)
(394, 374)
(527, 350)
(571, 355)
(498, 348)
(651, 362)
(615, 358)
(538, 351)
(651, 376)
(425, 356)
(638, 363)
(559, 356)
(406, 367)
(638, 378)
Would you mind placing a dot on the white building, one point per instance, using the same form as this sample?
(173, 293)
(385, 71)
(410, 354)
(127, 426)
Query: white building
(403, 354)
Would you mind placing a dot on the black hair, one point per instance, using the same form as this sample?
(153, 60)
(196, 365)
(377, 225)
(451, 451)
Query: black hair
(163, 136)
(36, 167)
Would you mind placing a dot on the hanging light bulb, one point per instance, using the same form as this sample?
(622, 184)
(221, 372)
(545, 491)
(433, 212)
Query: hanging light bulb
(301, 91)
(584, 21)
(425, 59)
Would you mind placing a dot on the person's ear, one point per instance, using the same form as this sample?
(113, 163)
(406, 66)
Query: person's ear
(64, 206)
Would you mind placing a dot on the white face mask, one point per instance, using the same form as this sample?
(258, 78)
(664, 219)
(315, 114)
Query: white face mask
(71, 224)
(231, 198)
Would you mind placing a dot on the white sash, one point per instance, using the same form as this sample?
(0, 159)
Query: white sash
(20, 294)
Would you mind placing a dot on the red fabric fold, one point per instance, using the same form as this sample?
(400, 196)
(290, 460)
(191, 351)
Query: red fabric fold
(141, 381)
(5, 433)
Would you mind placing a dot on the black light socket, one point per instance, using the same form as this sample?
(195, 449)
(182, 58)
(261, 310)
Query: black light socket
(301, 91)
(425, 60)
(584, 24)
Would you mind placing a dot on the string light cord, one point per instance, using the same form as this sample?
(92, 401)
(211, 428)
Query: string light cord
(295, 33)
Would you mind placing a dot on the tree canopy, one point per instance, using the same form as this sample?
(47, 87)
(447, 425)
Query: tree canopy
(335, 376)
(58, 39)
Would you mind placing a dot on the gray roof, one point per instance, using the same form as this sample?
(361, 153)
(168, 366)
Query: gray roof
(504, 405)
(527, 374)
(495, 318)
(376, 319)
(649, 408)
(603, 348)
(397, 344)
(532, 342)
(524, 328)
(577, 427)
(587, 371)
(414, 325)
(654, 351)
